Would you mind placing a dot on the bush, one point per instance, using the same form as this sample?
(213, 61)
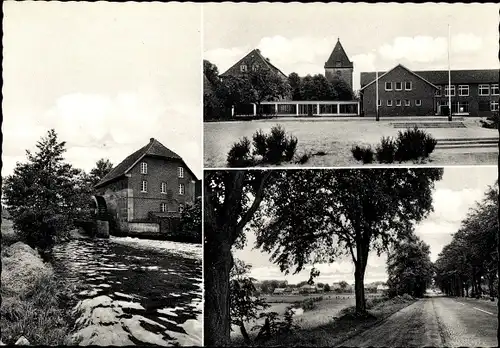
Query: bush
(260, 143)
(386, 150)
(308, 304)
(239, 155)
(414, 144)
(361, 153)
(290, 148)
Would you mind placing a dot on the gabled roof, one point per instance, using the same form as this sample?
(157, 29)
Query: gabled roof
(153, 148)
(440, 77)
(397, 66)
(252, 55)
(338, 55)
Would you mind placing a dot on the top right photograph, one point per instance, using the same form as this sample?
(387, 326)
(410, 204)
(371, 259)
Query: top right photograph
(350, 85)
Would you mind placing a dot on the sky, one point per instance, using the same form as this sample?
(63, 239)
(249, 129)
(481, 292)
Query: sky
(106, 76)
(453, 196)
(300, 37)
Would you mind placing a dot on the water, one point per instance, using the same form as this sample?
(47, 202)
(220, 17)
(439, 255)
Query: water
(153, 289)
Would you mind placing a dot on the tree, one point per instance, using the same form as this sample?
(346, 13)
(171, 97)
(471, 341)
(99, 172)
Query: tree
(211, 72)
(190, 225)
(343, 285)
(231, 199)
(295, 85)
(409, 267)
(344, 92)
(102, 167)
(327, 213)
(244, 304)
(44, 194)
(327, 288)
(265, 85)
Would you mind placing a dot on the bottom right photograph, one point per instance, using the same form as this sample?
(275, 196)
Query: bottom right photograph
(351, 257)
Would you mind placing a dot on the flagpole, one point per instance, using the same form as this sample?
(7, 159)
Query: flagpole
(377, 118)
(449, 74)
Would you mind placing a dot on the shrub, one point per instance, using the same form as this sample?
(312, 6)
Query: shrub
(386, 150)
(276, 145)
(260, 143)
(362, 153)
(308, 304)
(239, 155)
(291, 146)
(414, 144)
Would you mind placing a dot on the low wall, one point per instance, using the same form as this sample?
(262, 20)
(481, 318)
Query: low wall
(143, 227)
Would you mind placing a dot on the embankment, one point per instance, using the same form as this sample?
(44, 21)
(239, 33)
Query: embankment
(32, 299)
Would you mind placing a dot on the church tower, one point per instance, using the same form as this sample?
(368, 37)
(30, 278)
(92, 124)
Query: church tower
(339, 65)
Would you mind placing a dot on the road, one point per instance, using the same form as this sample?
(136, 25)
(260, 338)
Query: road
(435, 322)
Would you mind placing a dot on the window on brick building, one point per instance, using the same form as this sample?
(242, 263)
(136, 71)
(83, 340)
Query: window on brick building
(243, 68)
(163, 187)
(388, 86)
(484, 105)
(398, 102)
(389, 102)
(181, 189)
(484, 89)
(180, 172)
(407, 102)
(144, 168)
(447, 91)
(418, 102)
(399, 86)
(463, 90)
(408, 86)
(144, 186)
(494, 89)
(438, 91)
(494, 105)
(163, 207)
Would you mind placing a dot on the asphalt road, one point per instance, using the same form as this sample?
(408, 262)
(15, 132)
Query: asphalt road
(435, 322)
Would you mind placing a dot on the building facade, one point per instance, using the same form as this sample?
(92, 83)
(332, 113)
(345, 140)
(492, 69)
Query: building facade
(403, 92)
(151, 184)
(339, 66)
(253, 61)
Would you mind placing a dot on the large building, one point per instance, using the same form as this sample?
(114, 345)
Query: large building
(145, 189)
(253, 61)
(402, 92)
(339, 66)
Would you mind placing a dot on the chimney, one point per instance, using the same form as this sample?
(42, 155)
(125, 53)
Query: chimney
(151, 140)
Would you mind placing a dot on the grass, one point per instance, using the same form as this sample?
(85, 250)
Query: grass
(40, 313)
(341, 325)
(335, 139)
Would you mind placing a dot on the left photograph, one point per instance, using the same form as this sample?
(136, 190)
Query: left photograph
(101, 174)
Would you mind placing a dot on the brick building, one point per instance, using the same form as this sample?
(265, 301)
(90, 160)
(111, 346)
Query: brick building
(253, 61)
(146, 189)
(338, 65)
(403, 92)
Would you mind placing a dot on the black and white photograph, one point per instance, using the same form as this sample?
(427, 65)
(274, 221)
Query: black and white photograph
(380, 257)
(343, 84)
(101, 174)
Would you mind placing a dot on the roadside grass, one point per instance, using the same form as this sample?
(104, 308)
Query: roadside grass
(340, 328)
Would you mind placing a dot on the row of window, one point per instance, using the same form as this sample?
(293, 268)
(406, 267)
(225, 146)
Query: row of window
(463, 90)
(398, 86)
(463, 106)
(144, 187)
(144, 170)
(244, 67)
(163, 207)
(418, 102)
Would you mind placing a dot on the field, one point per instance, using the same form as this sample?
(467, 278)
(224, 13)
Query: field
(336, 138)
(322, 314)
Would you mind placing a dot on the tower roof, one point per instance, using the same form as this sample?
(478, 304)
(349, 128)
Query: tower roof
(338, 58)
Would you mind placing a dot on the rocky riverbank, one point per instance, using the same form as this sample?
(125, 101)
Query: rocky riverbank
(31, 309)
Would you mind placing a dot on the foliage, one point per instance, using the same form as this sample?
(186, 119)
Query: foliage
(102, 167)
(275, 325)
(272, 148)
(244, 304)
(190, 224)
(317, 87)
(363, 153)
(386, 150)
(44, 195)
(239, 156)
(472, 255)
(327, 288)
(491, 121)
(414, 144)
(409, 267)
(328, 213)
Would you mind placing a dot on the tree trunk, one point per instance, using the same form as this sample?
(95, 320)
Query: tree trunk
(244, 333)
(218, 262)
(359, 277)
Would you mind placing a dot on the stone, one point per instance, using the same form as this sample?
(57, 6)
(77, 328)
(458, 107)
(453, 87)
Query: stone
(22, 341)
